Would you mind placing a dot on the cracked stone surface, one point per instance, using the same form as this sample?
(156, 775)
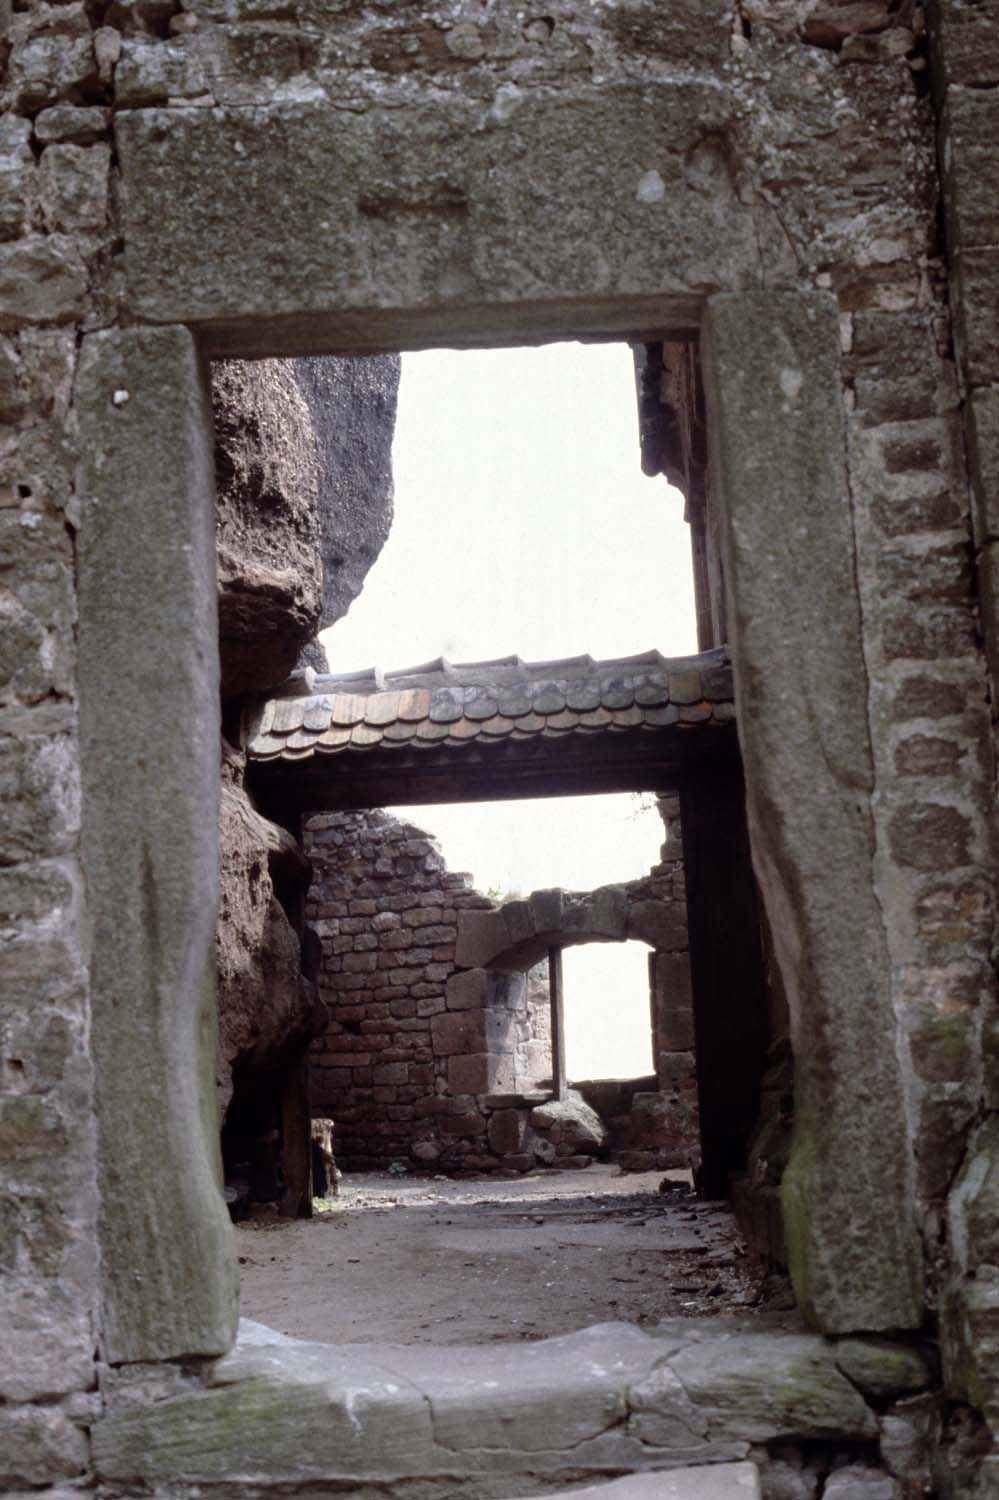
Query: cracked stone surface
(282, 1411)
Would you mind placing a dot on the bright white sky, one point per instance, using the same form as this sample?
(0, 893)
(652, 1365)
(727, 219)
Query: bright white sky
(523, 524)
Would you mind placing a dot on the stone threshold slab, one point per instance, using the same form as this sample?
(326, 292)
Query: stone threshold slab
(481, 1421)
(707, 1482)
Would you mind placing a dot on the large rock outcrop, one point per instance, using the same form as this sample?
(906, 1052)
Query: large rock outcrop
(268, 1009)
(270, 569)
(303, 463)
(304, 479)
(352, 403)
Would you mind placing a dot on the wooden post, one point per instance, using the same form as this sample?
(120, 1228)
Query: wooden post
(296, 1141)
(731, 1020)
(559, 1084)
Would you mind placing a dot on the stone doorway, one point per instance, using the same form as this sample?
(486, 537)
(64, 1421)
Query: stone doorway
(753, 187)
(702, 789)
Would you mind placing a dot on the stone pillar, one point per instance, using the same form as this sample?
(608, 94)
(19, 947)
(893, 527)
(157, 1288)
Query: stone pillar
(778, 463)
(149, 722)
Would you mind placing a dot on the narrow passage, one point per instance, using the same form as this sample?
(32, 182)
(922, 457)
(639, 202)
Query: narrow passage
(434, 1261)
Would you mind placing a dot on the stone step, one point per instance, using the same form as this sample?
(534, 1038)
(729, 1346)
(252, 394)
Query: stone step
(705, 1482)
(476, 1421)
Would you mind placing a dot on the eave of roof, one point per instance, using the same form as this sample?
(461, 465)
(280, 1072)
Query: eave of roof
(442, 703)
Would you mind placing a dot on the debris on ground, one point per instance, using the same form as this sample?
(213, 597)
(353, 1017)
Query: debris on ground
(430, 1260)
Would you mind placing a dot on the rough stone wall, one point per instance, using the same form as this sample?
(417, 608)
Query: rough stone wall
(431, 1058)
(672, 1001)
(386, 909)
(48, 1197)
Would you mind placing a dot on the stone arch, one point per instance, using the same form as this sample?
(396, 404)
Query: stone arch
(512, 938)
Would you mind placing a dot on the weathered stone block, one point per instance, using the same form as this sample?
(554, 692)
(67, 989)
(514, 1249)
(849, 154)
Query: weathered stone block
(507, 1131)
(42, 280)
(943, 1037)
(882, 1368)
(286, 1411)
(389, 1073)
(17, 166)
(456, 1032)
(974, 278)
(965, 46)
(150, 821)
(38, 1446)
(974, 1201)
(928, 633)
(150, 71)
(659, 1121)
(39, 793)
(861, 1482)
(929, 755)
(660, 924)
(40, 909)
(969, 1340)
(49, 1321)
(462, 1122)
(602, 914)
(761, 1387)
(926, 697)
(73, 187)
(990, 1051)
(470, 1074)
(382, 188)
(79, 123)
(931, 837)
(910, 1431)
(982, 407)
(970, 125)
(774, 386)
(571, 1122)
(50, 67)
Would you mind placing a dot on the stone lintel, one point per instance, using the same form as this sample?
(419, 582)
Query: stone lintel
(515, 937)
(778, 458)
(149, 728)
(300, 227)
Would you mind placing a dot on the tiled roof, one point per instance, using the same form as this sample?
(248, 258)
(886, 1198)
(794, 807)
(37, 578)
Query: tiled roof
(450, 704)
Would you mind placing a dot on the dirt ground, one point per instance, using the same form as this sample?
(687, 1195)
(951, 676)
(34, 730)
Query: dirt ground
(411, 1260)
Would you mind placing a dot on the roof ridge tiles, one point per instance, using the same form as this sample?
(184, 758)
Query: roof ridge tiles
(501, 670)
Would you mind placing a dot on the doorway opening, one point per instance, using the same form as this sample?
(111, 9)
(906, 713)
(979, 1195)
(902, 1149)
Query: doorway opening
(608, 1022)
(393, 1048)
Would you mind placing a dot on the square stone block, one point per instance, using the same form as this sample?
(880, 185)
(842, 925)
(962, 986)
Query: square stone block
(456, 1032)
(469, 1075)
